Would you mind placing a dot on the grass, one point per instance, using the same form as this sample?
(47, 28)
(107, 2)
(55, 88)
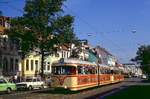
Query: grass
(133, 92)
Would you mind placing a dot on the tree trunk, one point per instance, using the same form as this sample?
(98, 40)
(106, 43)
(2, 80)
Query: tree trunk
(42, 63)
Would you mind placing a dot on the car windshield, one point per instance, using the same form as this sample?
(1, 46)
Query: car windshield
(28, 80)
(64, 70)
(2, 81)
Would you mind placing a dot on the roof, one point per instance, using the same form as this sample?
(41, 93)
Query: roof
(128, 64)
(5, 17)
(74, 61)
(64, 47)
(104, 50)
(1, 29)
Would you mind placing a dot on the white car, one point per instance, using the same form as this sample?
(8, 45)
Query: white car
(31, 83)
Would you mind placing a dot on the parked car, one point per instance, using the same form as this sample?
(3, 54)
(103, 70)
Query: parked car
(6, 86)
(31, 83)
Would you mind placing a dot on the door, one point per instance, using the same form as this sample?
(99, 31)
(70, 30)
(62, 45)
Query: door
(34, 83)
(39, 82)
(3, 84)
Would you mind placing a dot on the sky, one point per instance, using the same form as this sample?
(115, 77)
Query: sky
(120, 26)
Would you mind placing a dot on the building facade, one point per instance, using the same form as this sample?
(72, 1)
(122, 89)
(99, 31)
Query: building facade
(4, 23)
(9, 56)
(63, 51)
(31, 65)
(132, 69)
(105, 57)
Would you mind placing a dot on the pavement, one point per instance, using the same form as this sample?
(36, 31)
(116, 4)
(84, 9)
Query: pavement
(99, 93)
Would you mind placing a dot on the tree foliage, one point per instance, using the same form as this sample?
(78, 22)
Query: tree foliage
(143, 57)
(42, 26)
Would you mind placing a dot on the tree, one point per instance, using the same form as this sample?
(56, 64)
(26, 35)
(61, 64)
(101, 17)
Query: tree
(143, 57)
(42, 26)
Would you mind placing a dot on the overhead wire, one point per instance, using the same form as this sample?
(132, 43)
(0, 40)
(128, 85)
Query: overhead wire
(94, 29)
(117, 47)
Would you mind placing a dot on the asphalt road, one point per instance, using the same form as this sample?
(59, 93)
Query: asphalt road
(90, 94)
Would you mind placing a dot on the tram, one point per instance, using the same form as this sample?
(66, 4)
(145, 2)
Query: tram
(77, 75)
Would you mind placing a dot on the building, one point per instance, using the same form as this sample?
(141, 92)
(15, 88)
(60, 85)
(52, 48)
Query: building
(105, 57)
(4, 23)
(49, 60)
(83, 52)
(9, 56)
(92, 56)
(63, 51)
(132, 69)
(31, 64)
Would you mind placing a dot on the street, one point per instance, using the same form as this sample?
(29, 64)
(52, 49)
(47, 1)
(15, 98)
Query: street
(100, 92)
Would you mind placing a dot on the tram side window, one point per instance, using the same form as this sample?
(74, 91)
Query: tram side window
(63, 70)
(102, 71)
(112, 72)
(92, 70)
(108, 71)
(115, 72)
(118, 72)
(86, 70)
(81, 70)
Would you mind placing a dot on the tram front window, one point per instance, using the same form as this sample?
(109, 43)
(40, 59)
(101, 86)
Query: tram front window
(64, 70)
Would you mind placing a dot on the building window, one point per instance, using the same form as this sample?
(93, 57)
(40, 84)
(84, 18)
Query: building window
(67, 55)
(5, 65)
(1, 22)
(56, 55)
(44, 66)
(5, 39)
(62, 54)
(32, 65)
(48, 67)
(16, 65)
(36, 64)
(11, 64)
(27, 65)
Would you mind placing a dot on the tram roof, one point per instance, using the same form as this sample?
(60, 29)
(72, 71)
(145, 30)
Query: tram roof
(74, 61)
(104, 66)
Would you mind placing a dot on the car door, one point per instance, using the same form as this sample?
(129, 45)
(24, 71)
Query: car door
(3, 84)
(39, 82)
(34, 83)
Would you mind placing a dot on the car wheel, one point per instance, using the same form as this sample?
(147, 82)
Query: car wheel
(30, 88)
(42, 87)
(8, 90)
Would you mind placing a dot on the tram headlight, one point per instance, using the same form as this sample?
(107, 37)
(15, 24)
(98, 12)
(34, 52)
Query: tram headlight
(65, 87)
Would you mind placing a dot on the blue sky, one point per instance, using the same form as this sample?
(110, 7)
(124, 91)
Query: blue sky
(110, 22)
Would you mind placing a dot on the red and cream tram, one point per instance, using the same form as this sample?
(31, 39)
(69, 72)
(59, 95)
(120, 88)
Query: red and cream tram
(77, 75)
